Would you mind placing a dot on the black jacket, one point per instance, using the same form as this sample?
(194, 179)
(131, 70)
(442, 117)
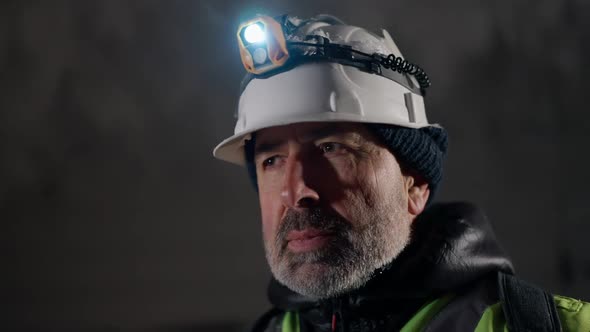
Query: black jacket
(453, 249)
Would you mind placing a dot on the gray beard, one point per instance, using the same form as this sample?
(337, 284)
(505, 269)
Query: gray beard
(347, 262)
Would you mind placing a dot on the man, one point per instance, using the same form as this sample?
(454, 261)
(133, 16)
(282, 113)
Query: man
(332, 128)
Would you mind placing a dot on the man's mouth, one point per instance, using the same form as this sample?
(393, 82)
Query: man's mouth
(307, 240)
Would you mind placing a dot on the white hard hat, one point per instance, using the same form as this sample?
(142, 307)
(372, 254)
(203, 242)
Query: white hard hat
(327, 91)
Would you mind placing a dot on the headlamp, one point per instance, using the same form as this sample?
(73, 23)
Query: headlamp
(264, 48)
(262, 44)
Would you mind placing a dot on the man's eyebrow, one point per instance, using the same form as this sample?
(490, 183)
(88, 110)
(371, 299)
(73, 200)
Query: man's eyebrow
(312, 135)
(345, 133)
(267, 146)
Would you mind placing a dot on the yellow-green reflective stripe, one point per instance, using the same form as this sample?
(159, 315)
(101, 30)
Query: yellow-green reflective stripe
(290, 322)
(425, 314)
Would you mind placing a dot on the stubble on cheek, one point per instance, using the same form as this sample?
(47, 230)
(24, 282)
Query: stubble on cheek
(268, 238)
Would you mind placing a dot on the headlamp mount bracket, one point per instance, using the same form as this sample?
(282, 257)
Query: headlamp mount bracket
(390, 67)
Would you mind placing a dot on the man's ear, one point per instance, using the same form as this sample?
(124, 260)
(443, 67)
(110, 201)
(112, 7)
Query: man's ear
(418, 193)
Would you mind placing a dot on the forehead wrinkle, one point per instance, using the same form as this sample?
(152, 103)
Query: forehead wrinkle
(306, 134)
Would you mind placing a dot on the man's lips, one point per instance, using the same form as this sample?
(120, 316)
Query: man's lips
(307, 240)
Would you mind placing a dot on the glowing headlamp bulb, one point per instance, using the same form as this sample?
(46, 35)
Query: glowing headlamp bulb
(254, 33)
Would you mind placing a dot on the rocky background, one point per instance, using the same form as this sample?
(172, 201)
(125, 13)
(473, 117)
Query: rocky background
(116, 217)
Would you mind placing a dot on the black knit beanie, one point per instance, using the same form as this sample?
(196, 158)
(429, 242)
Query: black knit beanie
(420, 150)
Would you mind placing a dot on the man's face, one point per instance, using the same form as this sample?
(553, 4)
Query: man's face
(334, 205)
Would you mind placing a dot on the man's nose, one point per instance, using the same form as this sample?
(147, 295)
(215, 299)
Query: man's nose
(297, 191)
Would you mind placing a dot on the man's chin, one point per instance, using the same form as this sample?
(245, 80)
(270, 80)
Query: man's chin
(311, 270)
(314, 279)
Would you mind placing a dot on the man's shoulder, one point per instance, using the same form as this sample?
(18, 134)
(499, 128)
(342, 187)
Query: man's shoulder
(574, 315)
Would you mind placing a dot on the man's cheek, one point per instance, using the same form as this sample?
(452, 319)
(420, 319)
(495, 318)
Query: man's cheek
(269, 223)
(268, 230)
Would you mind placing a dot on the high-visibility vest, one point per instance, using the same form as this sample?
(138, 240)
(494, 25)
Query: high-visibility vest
(568, 314)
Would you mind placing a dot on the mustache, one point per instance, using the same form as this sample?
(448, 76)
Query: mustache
(317, 218)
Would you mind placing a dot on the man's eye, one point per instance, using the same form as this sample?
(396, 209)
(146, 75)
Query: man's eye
(331, 147)
(268, 162)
